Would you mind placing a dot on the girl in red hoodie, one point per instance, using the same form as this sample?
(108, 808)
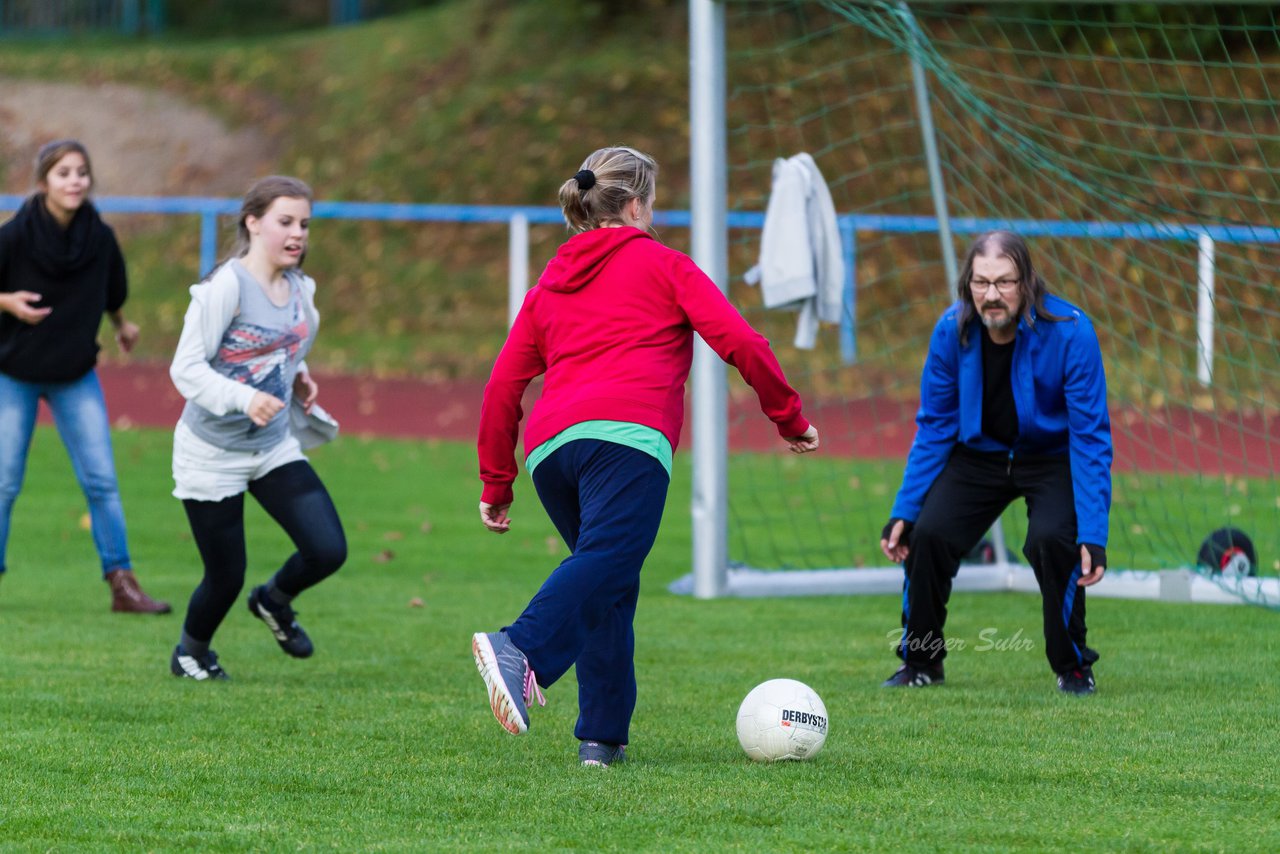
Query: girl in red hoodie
(610, 324)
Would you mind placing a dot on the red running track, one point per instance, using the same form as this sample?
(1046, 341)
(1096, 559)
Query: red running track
(1168, 440)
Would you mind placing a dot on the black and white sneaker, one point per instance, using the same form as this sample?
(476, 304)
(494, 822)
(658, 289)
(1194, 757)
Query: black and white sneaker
(907, 676)
(600, 754)
(198, 667)
(1078, 681)
(283, 623)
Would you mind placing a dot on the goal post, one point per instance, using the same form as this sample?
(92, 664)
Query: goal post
(1137, 150)
(708, 210)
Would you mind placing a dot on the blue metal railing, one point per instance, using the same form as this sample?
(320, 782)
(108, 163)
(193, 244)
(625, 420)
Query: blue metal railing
(127, 17)
(519, 217)
(46, 18)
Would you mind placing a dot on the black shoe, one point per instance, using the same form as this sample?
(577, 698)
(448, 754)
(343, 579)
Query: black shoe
(197, 667)
(1078, 681)
(907, 676)
(282, 622)
(601, 754)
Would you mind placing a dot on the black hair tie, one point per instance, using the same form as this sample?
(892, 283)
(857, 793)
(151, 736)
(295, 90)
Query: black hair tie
(586, 179)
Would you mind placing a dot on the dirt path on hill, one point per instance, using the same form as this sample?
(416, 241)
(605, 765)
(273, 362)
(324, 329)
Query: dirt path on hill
(142, 142)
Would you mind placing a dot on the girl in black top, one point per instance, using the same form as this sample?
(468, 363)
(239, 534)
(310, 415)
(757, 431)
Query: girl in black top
(60, 270)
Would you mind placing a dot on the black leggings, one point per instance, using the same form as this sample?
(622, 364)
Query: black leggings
(292, 495)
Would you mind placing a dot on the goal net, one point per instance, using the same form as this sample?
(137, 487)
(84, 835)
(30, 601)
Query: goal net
(1136, 147)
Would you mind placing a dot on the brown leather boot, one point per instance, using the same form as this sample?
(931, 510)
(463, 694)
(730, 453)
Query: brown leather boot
(127, 596)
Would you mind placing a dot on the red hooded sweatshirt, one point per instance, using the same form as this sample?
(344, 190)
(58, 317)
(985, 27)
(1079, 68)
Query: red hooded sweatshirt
(611, 324)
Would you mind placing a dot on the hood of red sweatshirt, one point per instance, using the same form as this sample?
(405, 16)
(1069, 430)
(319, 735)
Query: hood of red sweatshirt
(581, 258)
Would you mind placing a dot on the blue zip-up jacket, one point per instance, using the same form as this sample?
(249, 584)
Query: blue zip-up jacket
(1059, 389)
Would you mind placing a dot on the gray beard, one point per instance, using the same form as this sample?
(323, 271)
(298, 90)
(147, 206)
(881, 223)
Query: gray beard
(993, 323)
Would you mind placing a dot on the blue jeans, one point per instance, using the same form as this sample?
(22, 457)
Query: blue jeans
(80, 413)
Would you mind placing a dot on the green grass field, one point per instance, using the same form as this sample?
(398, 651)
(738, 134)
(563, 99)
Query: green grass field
(384, 741)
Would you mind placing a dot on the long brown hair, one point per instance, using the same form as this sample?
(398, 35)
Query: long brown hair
(259, 198)
(1031, 286)
(256, 202)
(51, 152)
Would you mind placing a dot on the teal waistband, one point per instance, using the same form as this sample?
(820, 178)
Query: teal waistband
(637, 436)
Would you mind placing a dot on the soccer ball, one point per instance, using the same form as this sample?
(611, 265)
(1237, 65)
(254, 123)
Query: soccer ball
(782, 719)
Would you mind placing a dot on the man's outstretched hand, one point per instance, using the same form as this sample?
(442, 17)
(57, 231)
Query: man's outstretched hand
(893, 540)
(1093, 564)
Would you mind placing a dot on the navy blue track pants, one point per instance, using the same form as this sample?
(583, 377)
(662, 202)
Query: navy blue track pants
(606, 501)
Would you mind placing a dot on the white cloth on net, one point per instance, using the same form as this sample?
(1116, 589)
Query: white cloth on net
(801, 264)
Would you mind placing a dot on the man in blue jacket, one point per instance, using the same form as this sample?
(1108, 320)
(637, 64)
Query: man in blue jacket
(1013, 403)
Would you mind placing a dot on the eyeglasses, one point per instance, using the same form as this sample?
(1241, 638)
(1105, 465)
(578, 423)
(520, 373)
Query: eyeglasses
(1004, 286)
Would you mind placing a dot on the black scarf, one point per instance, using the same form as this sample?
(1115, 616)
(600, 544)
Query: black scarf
(55, 250)
(78, 271)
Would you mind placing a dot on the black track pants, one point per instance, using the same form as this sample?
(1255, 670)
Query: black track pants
(968, 496)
